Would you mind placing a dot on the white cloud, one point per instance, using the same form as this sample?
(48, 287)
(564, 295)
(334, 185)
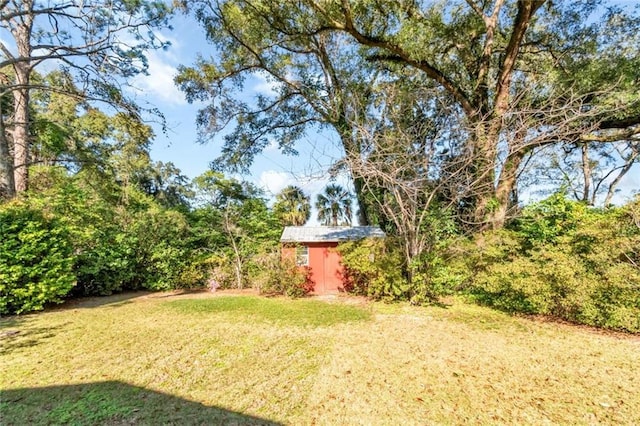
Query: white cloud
(159, 83)
(272, 181)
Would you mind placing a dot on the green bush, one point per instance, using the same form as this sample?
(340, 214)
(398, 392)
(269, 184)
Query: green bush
(161, 253)
(106, 264)
(122, 239)
(374, 268)
(195, 274)
(565, 260)
(35, 260)
(282, 276)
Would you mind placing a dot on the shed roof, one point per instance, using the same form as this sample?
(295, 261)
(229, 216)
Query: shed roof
(312, 234)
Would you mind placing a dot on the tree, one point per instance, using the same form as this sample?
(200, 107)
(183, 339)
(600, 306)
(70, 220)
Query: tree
(94, 41)
(488, 69)
(590, 172)
(70, 132)
(404, 170)
(523, 74)
(334, 206)
(237, 210)
(318, 79)
(166, 183)
(292, 206)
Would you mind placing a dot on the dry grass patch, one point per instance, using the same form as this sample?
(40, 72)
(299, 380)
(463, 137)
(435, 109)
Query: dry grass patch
(197, 359)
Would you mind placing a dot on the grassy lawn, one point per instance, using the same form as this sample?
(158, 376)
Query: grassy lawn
(236, 359)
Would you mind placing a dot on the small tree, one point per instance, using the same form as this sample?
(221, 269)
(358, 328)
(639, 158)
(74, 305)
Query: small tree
(240, 215)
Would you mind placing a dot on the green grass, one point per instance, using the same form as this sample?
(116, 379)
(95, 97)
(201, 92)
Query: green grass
(276, 311)
(219, 359)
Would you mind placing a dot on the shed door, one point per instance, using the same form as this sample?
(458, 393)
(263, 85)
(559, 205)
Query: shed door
(332, 276)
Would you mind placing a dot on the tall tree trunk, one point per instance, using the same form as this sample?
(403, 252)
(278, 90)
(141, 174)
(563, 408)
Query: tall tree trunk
(21, 139)
(22, 68)
(491, 207)
(7, 183)
(353, 152)
(363, 211)
(483, 162)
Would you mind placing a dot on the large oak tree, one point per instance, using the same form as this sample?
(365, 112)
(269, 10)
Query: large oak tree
(523, 74)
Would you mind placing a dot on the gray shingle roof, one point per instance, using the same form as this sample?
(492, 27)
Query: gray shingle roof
(311, 234)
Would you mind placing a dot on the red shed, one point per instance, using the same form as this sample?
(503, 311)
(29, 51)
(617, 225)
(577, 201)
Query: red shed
(315, 247)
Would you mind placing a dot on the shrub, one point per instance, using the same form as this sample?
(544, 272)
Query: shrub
(580, 264)
(35, 260)
(374, 268)
(106, 264)
(282, 276)
(122, 239)
(195, 274)
(222, 270)
(162, 254)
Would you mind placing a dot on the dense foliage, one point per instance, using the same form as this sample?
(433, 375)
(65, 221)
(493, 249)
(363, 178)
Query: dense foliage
(374, 268)
(35, 259)
(564, 259)
(559, 258)
(235, 226)
(102, 242)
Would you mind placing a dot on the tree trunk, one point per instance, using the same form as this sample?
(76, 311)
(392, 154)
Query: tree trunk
(483, 163)
(506, 186)
(237, 261)
(22, 68)
(238, 269)
(353, 152)
(491, 207)
(21, 139)
(7, 183)
(363, 211)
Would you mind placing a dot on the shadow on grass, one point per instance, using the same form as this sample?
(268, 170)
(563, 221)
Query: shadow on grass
(113, 300)
(15, 334)
(110, 403)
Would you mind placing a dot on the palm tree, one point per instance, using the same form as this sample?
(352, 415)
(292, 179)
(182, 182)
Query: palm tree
(292, 206)
(334, 206)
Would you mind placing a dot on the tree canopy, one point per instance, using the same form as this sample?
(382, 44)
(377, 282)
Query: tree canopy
(518, 76)
(292, 206)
